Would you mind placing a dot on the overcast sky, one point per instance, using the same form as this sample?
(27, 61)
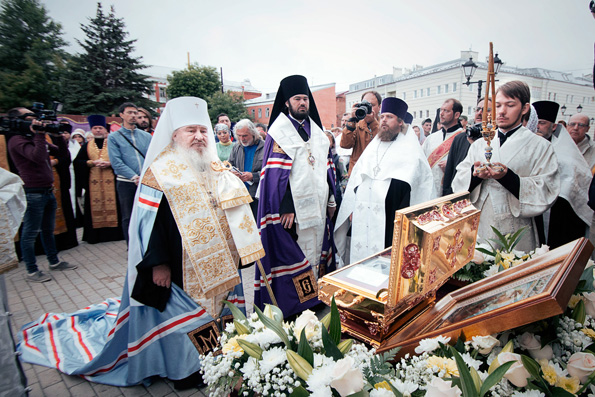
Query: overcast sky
(342, 42)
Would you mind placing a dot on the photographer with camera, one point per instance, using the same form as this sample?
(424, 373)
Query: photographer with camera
(362, 126)
(460, 146)
(30, 153)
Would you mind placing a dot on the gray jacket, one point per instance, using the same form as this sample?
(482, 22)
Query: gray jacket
(237, 158)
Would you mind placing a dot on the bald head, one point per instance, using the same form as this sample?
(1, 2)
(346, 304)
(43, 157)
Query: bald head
(578, 126)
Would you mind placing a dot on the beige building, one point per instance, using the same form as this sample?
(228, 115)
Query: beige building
(425, 88)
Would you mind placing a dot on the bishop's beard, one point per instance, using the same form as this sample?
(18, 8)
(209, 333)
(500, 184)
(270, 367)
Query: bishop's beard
(200, 160)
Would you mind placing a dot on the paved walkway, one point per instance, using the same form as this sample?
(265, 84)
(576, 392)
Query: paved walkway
(101, 272)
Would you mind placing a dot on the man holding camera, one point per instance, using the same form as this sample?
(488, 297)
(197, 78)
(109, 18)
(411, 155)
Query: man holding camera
(31, 156)
(362, 127)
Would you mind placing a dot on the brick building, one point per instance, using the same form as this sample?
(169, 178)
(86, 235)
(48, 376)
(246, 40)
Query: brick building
(324, 96)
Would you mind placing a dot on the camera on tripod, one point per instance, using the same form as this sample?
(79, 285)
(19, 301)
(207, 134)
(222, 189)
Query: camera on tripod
(20, 125)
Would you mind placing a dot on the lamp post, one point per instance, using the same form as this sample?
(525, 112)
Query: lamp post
(563, 109)
(469, 69)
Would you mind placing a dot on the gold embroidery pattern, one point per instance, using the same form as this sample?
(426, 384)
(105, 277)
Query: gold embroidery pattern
(225, 227)
(219, 166)
(306, 286)
(201, 231)
(252, 248)
(174, 169)
(150, 180)
(247, 224)
(277, 149)
(186, 196)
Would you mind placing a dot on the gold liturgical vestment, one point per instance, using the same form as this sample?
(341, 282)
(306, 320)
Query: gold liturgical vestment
(102, 189)
(215, 223)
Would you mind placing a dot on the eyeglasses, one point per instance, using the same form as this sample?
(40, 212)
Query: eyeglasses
(573, 124)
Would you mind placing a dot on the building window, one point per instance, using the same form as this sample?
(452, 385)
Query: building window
(572, 99)
(454, 87)
(428, 92)
(427, 111)
(414, 93)
(445, 88)
(259, 112)
(266, 112)
(549, 96)
(252, 113)
(554, 97)
(439, 89)
(469, 110)
(404, 96)
(414, 115)
(470, 87)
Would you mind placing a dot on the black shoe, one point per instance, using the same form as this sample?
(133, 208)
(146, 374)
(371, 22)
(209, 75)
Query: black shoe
(192, 381)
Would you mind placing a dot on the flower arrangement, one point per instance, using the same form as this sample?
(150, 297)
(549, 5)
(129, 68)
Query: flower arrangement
(497, 255)
(263, 355)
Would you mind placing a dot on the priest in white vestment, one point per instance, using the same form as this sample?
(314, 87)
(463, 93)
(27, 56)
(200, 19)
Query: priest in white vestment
(525, 186)
(391, 174)
(570, 215)
(437, 146)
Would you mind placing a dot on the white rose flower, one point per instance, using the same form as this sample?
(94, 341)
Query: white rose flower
(346, 379)
(581, 365)
(541, 250)
(589, 299)
(532, 344)
(381, 393)
(307, 321)
(441, 388)
(484, 344)
(517, 374)
(478, 257)
(429, 345)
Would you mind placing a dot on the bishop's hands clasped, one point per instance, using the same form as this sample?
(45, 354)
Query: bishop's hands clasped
(491, 171)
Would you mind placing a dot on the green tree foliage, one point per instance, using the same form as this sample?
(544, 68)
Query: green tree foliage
(105, 75)
(31, 54)
(230, 103)
(196, 80)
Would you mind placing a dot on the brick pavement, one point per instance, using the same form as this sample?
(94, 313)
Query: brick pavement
(101, 272)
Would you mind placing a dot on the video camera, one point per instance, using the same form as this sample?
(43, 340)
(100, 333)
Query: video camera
(364, 108)
(18, 125)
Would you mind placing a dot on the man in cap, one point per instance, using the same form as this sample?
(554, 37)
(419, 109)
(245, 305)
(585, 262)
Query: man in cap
(391, 174)
(95, 175)
(570, 215)
(437, 146)
(296, 200)
(522, 181)
(191, 225)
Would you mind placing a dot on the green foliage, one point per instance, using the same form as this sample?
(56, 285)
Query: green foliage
(31, 54)
(275, 326)
(231, 104)
(304, 348)
(380, 366)
(196, 80)
(105, 75)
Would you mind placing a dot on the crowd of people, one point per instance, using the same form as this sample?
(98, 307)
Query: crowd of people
(196, 203)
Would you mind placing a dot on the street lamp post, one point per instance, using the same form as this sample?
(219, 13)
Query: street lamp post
(563, 109)
(469, 69)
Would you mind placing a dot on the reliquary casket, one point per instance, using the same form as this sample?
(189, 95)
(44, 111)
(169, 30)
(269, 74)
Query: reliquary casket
(380, 294)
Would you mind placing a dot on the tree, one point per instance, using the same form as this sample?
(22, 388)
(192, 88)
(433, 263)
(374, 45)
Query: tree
(105, 74)
(230, 103)
(196, 80)
(31, 54)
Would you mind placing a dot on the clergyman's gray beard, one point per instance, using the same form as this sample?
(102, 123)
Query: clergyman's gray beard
(200, 161)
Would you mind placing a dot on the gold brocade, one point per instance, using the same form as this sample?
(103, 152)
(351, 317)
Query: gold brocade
(210, 255)
(102, 189)
(60, 225)
(3, 154)
(150, 181)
